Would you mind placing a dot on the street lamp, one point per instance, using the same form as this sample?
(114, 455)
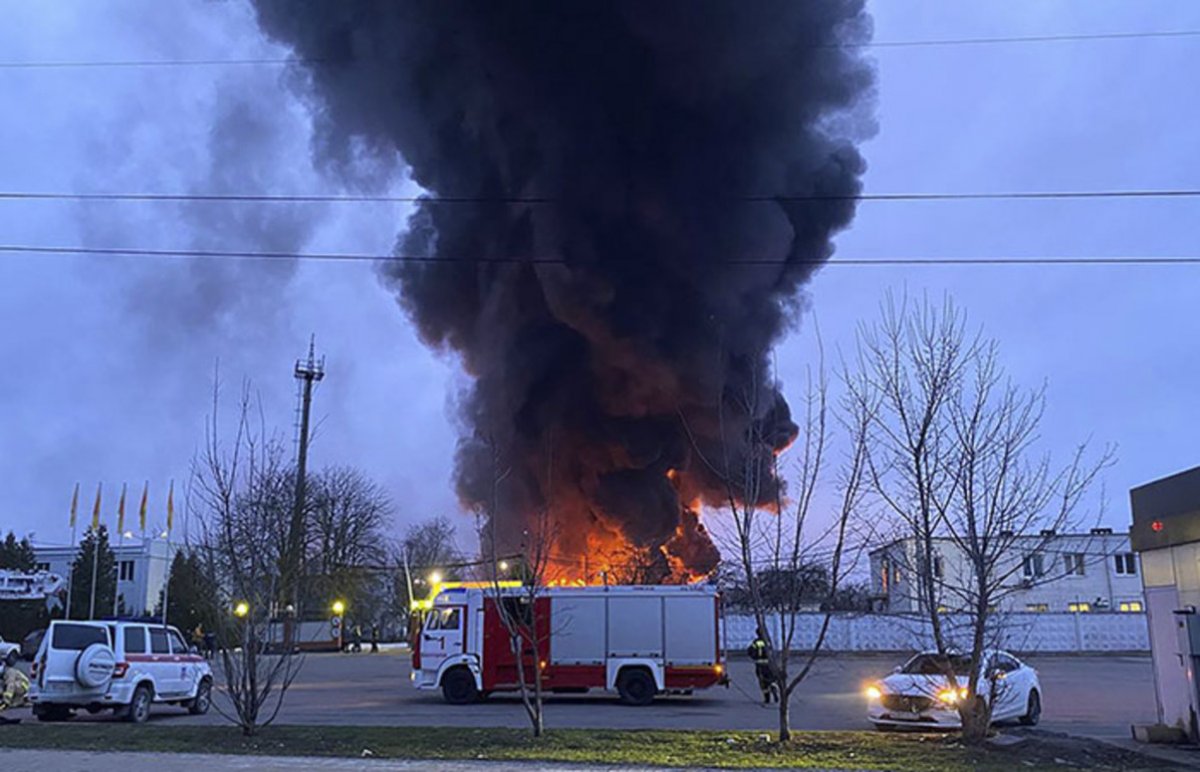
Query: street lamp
(435, 577)
(241, 609)
(503, 565)
(337, 625)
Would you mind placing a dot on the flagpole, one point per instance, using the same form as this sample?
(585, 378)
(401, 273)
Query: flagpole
(71, 565)
(120, 546)
(95, 551)
(117, 580)
(170, 522)
(142, 530)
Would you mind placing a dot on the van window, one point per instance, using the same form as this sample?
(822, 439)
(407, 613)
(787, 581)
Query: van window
(450, 619)
(177, 644)
(158, 641)
(78, 637)
(135, 640)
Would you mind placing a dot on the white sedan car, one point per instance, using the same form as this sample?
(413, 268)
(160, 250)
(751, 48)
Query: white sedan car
(919, 693)
(9, 652)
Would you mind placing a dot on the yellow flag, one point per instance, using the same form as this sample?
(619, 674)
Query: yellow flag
(74, 505)
(96, 509)
(170, 506)
(121, 512)
(142, 510)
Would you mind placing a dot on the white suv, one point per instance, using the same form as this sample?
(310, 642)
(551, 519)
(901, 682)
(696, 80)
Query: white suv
(123, 666)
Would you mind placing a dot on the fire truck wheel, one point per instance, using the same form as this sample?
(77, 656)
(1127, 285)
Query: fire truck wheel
(636, 687)
(458, 687)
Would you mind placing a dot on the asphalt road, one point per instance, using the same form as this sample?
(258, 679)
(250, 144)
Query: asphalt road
(1093, 696)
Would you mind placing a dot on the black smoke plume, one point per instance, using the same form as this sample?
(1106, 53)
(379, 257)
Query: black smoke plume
(613, 327)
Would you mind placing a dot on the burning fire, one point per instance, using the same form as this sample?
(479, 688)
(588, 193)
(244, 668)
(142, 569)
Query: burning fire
(607, 556)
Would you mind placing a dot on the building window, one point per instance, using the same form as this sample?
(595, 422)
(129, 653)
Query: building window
(42, 567)
(1033, 566)
(1130, 605)
(126, 569)
(1039, 608)
(884, 573)
(938, 570)
(1079, 608)
(1074, 563)
(1126, 563)
(896, 575)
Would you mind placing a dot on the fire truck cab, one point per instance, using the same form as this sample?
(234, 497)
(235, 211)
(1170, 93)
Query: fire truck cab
(639, 641)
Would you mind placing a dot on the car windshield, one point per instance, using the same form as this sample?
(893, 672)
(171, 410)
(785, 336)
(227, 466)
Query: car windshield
(935, 664)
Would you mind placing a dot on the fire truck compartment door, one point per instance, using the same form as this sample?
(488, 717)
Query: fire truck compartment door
(635, 627)
(577, 630)
(691, 630)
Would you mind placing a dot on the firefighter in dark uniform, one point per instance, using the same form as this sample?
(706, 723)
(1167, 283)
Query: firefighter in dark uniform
(760, 654)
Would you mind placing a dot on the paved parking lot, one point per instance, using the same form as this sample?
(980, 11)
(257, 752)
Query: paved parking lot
(1095, 696)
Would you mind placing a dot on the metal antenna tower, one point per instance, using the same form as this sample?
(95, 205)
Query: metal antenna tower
(307, 372)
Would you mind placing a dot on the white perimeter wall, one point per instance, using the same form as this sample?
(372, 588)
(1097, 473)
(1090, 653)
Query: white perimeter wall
(1018, 632)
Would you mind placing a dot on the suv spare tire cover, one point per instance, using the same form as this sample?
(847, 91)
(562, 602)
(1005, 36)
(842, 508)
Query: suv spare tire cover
(94, 667)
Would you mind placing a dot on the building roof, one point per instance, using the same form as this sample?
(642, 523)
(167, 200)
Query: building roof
(1094, 533)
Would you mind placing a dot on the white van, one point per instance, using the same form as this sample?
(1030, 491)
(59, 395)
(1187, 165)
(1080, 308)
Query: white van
(123, 666)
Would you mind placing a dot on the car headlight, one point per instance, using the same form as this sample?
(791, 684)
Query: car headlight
(952, 696)
(873, 692)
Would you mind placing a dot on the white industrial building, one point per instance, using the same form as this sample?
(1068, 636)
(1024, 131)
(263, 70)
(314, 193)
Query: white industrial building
(142, 567)
(1070, 572)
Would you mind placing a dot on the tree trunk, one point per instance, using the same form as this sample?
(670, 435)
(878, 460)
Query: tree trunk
(975, 722)
(977, 716)
(538, 726)
(785, 723)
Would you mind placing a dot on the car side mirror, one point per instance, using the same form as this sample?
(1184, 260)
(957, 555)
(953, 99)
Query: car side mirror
(897, 669)
(193, 649)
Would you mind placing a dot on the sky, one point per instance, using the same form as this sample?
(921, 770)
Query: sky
(109, 363)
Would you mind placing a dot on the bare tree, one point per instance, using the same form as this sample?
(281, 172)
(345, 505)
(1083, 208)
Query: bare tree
(519, 608)
(909, 364)
(1007, 500)
(426, 547)
(237, 507)
(785, 555)
(953, 456)
(347, 515)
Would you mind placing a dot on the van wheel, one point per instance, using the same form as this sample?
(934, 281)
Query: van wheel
(199, 704)
(139, 707)
(458, 687)
(636, 687)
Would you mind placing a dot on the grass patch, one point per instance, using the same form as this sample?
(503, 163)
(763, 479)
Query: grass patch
(829, 750)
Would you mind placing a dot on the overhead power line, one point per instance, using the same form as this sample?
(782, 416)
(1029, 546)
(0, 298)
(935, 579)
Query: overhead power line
(1179, 260)
(302, 198)
(312, 61)
(1053, 38)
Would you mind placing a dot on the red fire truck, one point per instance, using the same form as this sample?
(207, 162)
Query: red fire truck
(637, 641)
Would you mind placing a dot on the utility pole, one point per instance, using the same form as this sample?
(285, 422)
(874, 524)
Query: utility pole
(308, 372)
